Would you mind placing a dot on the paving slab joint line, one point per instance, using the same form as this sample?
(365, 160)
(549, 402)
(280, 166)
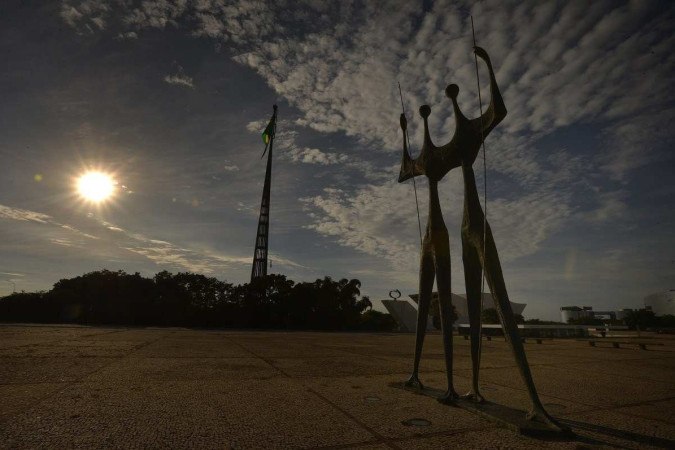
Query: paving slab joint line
(72, 383)
(341, 446)
(382, 358)
(643, 402)
(457, 432)
(591, 407)
(103, 334)
(265, 360)
(381, 439)
(35, 383)
(617, 409)
(628, 377)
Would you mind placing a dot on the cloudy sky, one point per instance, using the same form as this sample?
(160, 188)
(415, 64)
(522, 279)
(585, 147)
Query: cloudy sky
(170, 96)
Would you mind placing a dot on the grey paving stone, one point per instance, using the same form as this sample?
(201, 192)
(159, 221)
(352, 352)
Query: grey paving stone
(72, 348)
(281, 349)
(194, 414)
(140, 368)
(638, 370)
(18, 398)
(663, 410)
(496, 438)
(513, 397)
(384, 409)
(338, 366)
(181, 388)
(592, 388)
(176, 347)
(49, 370)
(615, 428)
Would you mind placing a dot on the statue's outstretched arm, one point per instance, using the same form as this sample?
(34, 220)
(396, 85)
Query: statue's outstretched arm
(496, 110)
(407, 164)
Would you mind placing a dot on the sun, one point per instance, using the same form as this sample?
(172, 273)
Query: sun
(96, 187)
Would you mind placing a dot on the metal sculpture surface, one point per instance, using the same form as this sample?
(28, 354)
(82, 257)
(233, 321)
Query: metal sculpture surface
(478, 248)
(435, 253)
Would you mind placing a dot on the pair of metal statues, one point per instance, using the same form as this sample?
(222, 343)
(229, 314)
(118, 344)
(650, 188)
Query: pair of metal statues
(478, 248)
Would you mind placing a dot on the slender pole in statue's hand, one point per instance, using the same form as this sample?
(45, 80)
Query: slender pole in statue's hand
(417, 204)
(482, 140)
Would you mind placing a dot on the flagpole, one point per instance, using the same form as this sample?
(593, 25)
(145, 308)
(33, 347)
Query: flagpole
(259, 267)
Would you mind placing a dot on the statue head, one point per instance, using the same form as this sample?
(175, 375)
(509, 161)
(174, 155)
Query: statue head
(434, 162)
(452, 91)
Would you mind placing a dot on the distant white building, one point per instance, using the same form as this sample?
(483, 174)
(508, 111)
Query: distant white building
(460, 304)
(568, 313)
(661, 303)
(405, 315)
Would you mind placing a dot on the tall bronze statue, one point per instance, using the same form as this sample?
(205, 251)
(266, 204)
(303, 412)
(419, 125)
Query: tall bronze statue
(478, 248)
(435, 258)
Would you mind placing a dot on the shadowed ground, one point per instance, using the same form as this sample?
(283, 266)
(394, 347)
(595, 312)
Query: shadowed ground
(68, 386)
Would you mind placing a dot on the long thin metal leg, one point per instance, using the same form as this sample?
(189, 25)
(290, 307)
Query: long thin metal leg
(443, 282)
(426, 286)
(495, 279)
(474, 302)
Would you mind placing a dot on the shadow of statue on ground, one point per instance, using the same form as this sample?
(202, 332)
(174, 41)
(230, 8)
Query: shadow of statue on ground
(623, 435)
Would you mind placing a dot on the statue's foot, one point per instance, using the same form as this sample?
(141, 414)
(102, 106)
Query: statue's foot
(449, 398)
(474, 396)
(540, 415)
(414, 382)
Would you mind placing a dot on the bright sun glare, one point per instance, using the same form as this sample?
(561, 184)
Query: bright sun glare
(95, 186)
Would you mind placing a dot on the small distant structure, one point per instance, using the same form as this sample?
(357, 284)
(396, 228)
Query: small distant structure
(661, 303)
(405, 313)
(460, 304)
(568, 313)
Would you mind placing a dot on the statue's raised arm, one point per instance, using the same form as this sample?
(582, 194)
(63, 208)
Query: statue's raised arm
(407, 163)
(496, 111)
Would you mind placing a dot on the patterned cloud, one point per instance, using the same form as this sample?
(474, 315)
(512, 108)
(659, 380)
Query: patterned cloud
(587, 87)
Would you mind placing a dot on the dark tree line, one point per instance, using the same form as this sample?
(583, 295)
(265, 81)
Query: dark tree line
(644, 319)
(193, 300)
(491, 316)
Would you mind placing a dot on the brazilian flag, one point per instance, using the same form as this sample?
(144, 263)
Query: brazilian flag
(269, 131)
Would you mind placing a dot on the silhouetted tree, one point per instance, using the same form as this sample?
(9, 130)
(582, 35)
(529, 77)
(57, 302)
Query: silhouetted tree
(191, 299)
(377, 321)
(103, 297)
(188, 299)
(639, 318)
(28, 307)
(665, 321)
(302, 309)
(365, 303)
(490, 316)
(585, 321)
(541, 322)
(436, 313)
(263, 302)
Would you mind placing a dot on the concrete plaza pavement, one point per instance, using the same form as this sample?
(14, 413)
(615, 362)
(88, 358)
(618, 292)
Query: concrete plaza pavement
(97, 387)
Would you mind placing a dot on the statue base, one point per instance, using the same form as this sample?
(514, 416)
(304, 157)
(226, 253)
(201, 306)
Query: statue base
(505, 416)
